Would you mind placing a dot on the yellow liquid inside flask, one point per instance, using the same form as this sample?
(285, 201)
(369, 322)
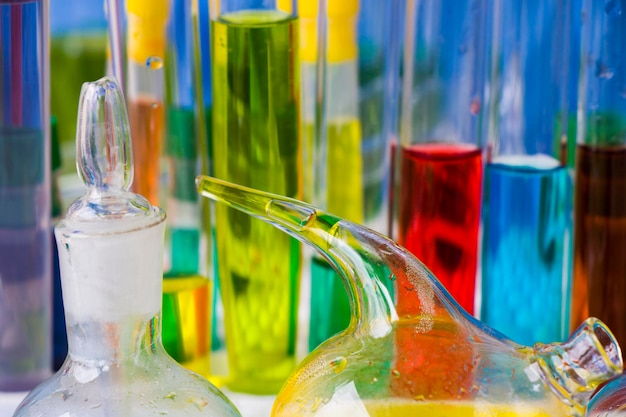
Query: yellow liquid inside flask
(448, 364)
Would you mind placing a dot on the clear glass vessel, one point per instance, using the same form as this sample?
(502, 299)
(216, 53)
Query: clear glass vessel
(110, 250)
(146, 39)
(456, 365)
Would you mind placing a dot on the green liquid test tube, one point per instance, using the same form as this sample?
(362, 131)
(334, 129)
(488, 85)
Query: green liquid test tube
(257, 143)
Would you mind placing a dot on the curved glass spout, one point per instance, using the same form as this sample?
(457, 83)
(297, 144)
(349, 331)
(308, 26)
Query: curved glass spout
(339, 241)
(410, 349)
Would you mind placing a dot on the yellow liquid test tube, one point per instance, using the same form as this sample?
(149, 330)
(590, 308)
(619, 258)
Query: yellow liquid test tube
(333, 161)
(256, 142)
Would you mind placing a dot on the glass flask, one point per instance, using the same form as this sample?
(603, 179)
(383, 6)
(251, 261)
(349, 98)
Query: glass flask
(110, 252)
(457, 365)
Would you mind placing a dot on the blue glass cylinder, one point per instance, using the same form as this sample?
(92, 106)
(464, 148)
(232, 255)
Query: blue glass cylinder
(527, 227)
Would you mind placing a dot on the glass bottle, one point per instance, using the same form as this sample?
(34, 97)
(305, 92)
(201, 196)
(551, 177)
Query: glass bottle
(457, 365)
(110, 250)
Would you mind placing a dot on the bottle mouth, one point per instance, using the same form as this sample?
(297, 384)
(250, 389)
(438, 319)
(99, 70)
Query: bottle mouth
(607, 345)
(575, 368)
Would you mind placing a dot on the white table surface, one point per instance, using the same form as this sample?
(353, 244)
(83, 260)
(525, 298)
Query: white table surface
(8, 402)
(248, 405)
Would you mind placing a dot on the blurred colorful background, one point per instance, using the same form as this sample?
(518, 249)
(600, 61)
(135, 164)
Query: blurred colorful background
(486, 137)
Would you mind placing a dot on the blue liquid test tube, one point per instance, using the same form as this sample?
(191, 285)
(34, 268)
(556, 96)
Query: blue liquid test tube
(527, 227)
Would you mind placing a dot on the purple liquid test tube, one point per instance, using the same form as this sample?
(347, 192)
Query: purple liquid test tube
(25, 241)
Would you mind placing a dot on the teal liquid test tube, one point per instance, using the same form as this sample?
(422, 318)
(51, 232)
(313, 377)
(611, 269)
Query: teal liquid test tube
(257, 143)
(202, 62)
(187, 284)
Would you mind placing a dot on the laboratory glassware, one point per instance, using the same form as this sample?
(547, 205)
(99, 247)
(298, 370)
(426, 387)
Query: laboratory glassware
(527, 230)
(456, 365)
(256, 142)
(110, 255)
(332, 143)
(439, 158)
(599, 283)
(609, 400)
(351, 138)
(25, 240)
(187, 285)
(146, 36)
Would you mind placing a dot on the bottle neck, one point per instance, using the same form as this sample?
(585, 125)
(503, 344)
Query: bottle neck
(112, 290)
(107, 343)
(575, 368)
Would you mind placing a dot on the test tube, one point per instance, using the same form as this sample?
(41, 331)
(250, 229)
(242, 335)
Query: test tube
(599, 285)
(202, 61)
(25, 241)
(527, 229)
(144, 89)
(335, 151)
(257, 143)
(440, 156)
(187, 288)
(351, 155)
